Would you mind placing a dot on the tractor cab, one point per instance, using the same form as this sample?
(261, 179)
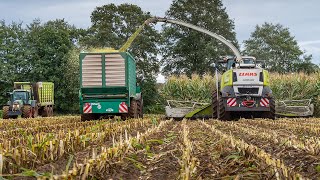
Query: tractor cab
(20, 95)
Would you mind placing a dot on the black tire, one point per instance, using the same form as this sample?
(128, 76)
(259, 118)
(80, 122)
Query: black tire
(223, 114)
(35, 112)
(50, 111)
(5, 112)
(214, 105)
(88, 117)
(272, 113)
(140, 107)
(26, 111)
(45, 111)
(133, 109)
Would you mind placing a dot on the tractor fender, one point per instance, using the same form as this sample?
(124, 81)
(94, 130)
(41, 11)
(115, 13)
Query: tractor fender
(32, 103)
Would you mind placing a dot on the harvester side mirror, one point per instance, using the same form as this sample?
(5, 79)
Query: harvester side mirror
(8, 94)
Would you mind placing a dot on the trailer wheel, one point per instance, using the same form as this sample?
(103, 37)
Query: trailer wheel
(5, 112)
(214, 105)
(50, 111)
(44, 111)
(223, 114)
(35, 111)
(133, 109)
(88, 117)
(140, 107)
(26, 111)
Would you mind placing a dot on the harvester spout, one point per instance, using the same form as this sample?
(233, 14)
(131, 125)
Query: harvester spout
(181, 23)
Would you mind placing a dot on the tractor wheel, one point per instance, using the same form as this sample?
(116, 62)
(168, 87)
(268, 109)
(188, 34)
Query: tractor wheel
(88, 117)
(272, 113)
(26, 111)
(214, 105)
(133, 109)
(223, 114)
(140, 107)
(5, 112)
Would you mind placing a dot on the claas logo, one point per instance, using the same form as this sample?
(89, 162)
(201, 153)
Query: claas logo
(248, 74)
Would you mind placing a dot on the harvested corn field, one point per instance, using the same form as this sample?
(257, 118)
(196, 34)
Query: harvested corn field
(153, 148)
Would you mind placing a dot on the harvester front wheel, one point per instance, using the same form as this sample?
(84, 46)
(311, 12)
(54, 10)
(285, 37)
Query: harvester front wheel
(26, 111)
(214, 105)
(5, 112)
(272, 113)
(223, 114)
(133, 109)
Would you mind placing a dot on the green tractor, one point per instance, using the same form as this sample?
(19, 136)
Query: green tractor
(30, 100)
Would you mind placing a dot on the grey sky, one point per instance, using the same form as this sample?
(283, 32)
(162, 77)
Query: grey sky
(301, 17)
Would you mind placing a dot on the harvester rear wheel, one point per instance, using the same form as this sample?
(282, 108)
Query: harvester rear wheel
(223, 114)
(5, 112)
(214, 105)
(133, 109)
(26, 111)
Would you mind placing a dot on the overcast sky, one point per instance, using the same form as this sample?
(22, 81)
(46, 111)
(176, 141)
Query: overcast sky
(302, 17)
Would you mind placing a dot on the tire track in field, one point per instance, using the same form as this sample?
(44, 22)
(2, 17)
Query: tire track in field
(298, 160)
(218, 160)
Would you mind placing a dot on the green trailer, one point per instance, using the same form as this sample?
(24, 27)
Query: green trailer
(30, 100)
(108, 86)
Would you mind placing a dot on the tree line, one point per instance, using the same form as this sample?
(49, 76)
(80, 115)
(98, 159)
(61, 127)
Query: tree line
(48, 51)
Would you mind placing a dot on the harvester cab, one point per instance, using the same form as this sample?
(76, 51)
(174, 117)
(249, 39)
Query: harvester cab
(243, 90)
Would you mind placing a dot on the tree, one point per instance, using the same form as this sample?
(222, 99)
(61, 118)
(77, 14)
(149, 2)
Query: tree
(188, 51)
(53, 57)
(112, 25)
(12, 61)
(41, 52)
(306, 66)
(276, 45)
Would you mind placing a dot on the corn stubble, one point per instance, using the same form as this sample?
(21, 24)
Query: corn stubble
(211, 149)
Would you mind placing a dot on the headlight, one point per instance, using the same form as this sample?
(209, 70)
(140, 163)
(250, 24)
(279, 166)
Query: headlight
(16, 106)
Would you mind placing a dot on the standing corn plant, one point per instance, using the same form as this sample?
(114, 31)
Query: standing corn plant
(182, 88)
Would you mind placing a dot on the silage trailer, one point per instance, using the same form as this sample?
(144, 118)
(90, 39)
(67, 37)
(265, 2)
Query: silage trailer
(108, 85)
